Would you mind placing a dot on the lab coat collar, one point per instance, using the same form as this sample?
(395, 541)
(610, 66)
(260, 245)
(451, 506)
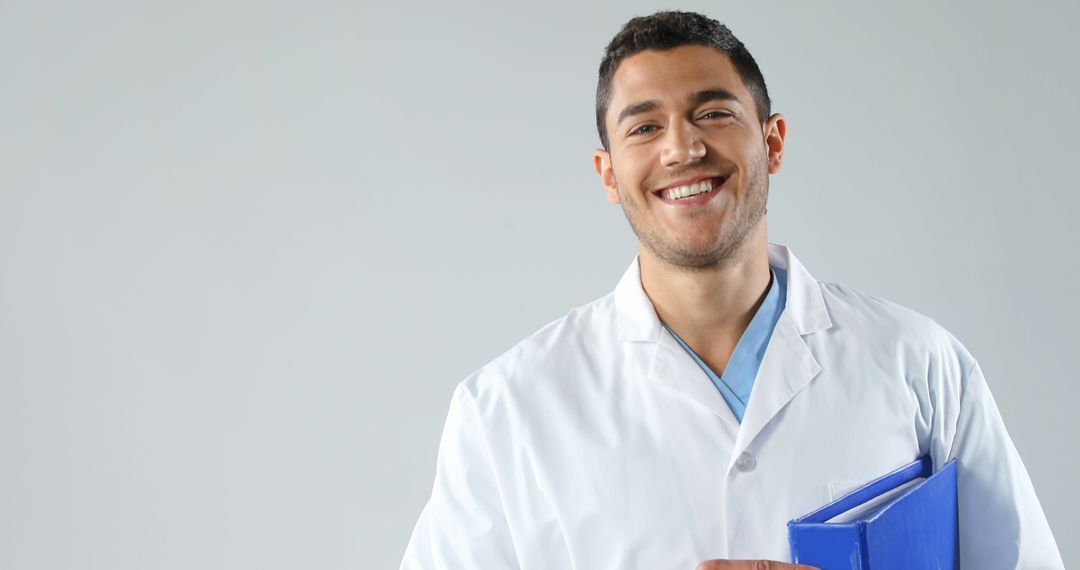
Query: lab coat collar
(787, 368)
(804, 305)
(637, 316)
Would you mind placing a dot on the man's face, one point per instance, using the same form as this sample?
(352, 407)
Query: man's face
(682, 121)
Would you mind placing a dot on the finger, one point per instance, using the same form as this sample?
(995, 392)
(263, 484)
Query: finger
(751, 565)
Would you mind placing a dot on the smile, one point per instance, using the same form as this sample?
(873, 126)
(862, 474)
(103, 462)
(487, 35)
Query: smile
(684, 191)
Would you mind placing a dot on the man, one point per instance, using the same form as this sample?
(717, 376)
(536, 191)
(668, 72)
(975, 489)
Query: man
(720, 390)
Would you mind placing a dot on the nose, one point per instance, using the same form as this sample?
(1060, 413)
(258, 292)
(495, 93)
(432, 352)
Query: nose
(681, 146)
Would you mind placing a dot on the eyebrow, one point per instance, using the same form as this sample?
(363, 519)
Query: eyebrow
(713, 95)
(637, 109)
(695, 99)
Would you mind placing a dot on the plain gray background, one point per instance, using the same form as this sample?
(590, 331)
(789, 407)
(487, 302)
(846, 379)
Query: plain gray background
(247, 249)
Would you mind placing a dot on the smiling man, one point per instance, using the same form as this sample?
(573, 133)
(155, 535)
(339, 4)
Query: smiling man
(720, 391)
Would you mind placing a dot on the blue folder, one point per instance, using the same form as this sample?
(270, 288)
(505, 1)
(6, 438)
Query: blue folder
(884, 525)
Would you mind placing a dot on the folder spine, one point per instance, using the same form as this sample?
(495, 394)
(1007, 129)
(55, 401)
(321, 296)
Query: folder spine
(829, 545)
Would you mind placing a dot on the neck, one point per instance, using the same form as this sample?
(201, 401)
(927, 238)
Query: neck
(710, 307)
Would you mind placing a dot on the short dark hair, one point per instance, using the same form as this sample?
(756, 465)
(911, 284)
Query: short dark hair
(668, 30)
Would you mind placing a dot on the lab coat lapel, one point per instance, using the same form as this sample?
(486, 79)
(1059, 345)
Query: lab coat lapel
(675, 369)
(788, 365)
(651, 345)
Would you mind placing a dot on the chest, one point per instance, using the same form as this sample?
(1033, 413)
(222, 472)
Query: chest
(649, 471)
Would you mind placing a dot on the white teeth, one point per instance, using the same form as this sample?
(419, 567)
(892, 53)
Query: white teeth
(688, 190)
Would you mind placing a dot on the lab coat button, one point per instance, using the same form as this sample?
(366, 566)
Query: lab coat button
(745, 462)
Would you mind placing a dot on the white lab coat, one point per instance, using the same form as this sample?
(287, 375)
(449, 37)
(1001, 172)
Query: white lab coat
(599, 443)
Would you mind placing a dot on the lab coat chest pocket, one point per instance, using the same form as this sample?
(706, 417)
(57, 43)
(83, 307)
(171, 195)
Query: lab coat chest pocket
(848, 429)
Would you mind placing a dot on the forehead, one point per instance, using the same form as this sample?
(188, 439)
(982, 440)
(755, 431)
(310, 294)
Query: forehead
(669, 76)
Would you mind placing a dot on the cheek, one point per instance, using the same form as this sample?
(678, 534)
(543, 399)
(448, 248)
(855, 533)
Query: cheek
(626, 172)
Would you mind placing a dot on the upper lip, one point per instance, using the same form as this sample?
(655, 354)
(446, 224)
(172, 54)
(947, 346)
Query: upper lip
(686, 182)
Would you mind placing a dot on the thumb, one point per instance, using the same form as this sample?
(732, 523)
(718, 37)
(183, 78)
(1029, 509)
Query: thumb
(751, 565)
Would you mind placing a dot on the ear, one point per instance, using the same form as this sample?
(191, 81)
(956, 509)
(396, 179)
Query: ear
(602, 164)
(775, 129)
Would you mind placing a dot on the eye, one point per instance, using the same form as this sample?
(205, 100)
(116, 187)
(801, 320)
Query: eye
(716, 115)
(643, 130)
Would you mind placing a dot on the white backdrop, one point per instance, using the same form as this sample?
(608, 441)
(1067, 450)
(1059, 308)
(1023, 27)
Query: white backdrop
(247, 249)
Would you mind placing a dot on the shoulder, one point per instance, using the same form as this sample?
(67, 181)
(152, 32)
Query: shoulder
(885, 325)
(555, 354)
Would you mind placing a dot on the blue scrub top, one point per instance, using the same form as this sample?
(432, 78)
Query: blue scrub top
(738, 378)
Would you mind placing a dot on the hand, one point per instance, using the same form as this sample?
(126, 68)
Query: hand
(751, 565)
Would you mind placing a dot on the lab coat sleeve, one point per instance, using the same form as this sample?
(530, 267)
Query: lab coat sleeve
(463, 525)
(1002, 524)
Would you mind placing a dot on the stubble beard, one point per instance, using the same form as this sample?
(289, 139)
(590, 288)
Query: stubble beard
(730, 239)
